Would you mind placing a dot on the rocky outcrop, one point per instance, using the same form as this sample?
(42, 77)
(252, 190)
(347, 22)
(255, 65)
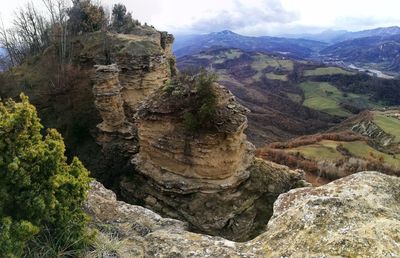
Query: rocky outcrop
(374, 132)
(356, 216)
(179, 172)
(238, 213)
(115, 129)
(127, 69)
(185, 162)
(174, 171)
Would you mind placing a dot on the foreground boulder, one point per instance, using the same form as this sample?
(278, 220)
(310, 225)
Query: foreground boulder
(357, 216)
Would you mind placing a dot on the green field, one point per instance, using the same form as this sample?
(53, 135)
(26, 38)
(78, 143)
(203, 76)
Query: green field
(295, 97)
(279, 77)
(202, 56)
(326, 150)
(326, 71)
(325, 97)
(390, 125)
(222, 56)
(362, 149)
(233, 54)
(263, 61)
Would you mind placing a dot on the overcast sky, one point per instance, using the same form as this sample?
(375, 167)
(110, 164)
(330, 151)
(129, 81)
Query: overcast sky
(251, 17)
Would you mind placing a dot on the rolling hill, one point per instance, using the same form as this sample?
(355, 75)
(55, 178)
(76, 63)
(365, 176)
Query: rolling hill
(302, 48)
(368, 141)
(377, 52)
(377, 49)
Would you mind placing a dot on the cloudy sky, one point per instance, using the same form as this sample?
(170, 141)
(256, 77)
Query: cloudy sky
(251, 17)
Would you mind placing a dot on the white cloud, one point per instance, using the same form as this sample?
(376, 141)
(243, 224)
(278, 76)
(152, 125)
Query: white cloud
(245, 15)
(251, 17)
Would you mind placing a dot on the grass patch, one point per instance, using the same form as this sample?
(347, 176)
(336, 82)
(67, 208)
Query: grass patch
(233, 54)
(223, 56)
(201, 56)
(390, 125)
(324, 150)
(279, 77)
(363, 150)
(324, 97)
(263, 61)
(108, 245)
(326, 71)
(257, 76)
(295, 97)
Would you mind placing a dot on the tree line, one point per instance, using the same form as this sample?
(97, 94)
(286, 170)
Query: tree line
(32, 31)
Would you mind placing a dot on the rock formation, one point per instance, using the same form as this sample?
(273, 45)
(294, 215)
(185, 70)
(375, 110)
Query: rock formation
(140, 64)
(356, 216)
(175, 172)
(374, 132)
(187, 162)
(210, 178)
(115, 129)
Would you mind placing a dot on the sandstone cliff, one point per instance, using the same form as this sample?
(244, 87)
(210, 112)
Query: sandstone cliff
(188, 162)
(141, 63)
(175, 172)
(357, 216)
(209, 178)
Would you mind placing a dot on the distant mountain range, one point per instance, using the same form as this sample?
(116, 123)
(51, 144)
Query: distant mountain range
(384, 50)
(376, 49)
(302, 48)
(335, 36)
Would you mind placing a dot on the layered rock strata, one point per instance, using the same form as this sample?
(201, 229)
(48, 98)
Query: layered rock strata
(371, 130)
(185, 162)
(127, 69)
(210, 178)
(356, 216)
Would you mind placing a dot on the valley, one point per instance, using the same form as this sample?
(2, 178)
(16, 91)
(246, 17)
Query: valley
(375, 51)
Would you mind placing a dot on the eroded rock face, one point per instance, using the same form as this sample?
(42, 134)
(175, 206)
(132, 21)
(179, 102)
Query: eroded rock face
(185, 162)
(139, 64)
(374, 132)
(356, 216)
(210, 178)
(238, 213)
